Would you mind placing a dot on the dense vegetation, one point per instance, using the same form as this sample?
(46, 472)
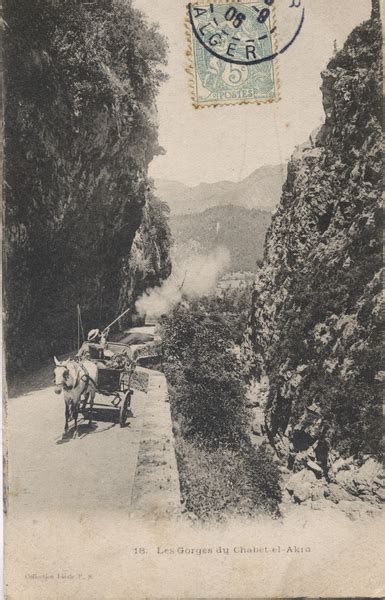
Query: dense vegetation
(82, 79)
(316, 323)
(241, 230)
(221, 472)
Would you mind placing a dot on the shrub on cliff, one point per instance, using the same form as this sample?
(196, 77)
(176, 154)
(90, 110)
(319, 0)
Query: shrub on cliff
(220, 471)
(233, 304)
(224, 482)
(211, 399)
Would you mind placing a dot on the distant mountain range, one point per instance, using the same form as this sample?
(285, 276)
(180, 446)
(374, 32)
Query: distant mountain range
(260, 190)
(241, 230)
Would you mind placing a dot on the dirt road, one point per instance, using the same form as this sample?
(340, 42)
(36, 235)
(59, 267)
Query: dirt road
(87, 516)
(48, 471)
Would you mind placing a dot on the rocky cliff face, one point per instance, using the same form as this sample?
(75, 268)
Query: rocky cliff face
(81, 129)
(149, 260)
(314, 333)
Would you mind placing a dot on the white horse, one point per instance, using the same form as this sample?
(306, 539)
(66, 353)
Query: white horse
(75, 379)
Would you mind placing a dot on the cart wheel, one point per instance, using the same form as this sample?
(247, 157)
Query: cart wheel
(124, 409)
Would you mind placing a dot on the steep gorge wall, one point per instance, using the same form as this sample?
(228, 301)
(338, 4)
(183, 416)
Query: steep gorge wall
(81, 129)
(315, 326)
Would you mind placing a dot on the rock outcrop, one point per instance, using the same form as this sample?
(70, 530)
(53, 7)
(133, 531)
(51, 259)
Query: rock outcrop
(315, 327)
(81, 129)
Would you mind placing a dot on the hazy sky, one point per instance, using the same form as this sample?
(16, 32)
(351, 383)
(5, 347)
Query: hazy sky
(229, 142)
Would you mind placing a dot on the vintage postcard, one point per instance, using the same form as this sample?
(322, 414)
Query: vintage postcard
(192, 288)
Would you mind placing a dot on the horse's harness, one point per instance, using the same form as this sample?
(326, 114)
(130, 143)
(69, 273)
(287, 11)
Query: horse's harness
(86, 377)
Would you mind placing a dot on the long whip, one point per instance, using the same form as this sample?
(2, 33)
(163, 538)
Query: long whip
(117, 319)
(78, 328)
(80, 325)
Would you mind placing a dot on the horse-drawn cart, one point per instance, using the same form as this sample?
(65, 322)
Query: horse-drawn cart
(114, 384)
(98, 368)
(114, 381)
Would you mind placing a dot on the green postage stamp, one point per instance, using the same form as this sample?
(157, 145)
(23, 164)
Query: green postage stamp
(232, 47)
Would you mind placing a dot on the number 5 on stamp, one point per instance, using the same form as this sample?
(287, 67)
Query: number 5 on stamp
(233, 52)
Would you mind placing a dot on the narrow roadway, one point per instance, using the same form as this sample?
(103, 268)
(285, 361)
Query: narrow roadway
(48, 471)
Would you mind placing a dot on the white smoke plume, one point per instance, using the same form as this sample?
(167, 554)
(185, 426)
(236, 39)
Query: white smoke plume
(193, 276)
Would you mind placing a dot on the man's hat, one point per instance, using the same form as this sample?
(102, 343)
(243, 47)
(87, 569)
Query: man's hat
(93, 334)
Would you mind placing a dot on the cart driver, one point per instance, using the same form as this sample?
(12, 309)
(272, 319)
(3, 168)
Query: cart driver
(96, 346)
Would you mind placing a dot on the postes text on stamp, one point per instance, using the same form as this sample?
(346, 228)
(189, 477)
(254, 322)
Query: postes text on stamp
(232, 48)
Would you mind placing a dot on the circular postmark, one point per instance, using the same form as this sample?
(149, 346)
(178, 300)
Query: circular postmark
(240, 33)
